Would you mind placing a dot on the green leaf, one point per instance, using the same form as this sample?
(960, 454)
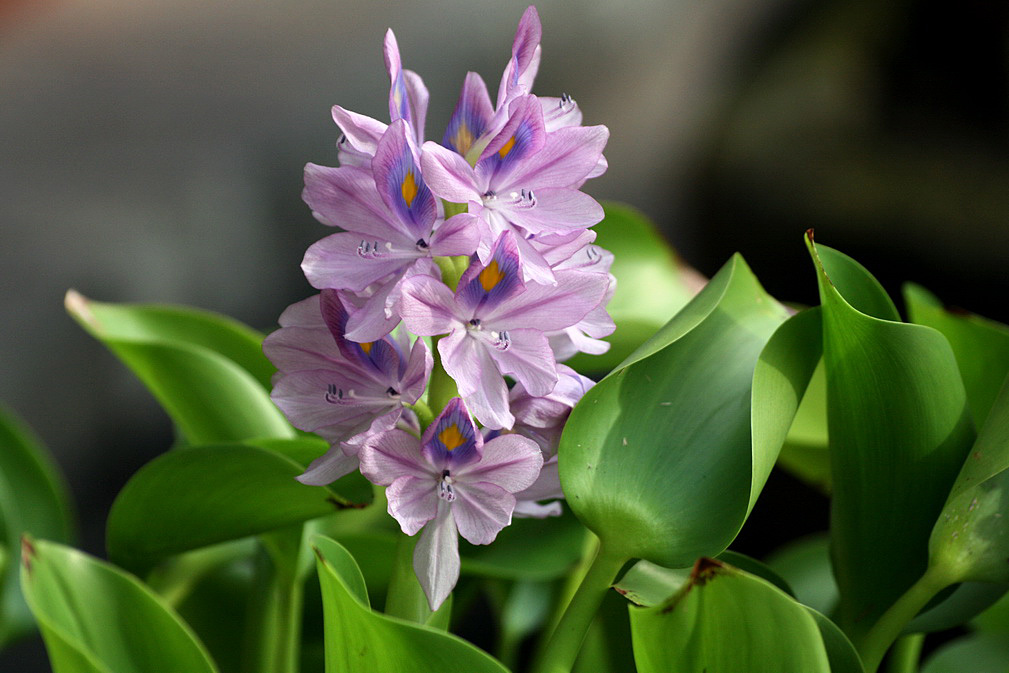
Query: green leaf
(528, 549)
(841, 653)
(647, 584)
(34, 499)
(977, 653)
(199, 496)
(97, 619)
(359, 640)
(899, 429)
(981, 347)
(724, 620)
(185, 358)
(805, 565)
(653, 283)
(971, 536)
(805, 453)
(656, 459)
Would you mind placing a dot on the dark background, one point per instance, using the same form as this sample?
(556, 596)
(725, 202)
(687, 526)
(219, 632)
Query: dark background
(153, 151)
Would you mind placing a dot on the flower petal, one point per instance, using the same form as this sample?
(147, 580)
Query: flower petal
(400, 183)
(521, 70)
(481, 510)
(413, 502)
(376, 317)
(448, 175)
(471, 117)
(428, 306)
(417, 373)
(481, 385)
(318, 398)
(458, 235)
(511, 462)
(328, 467)
(548, 210)
(347, 262)
(387, 456)
(527, 357)
(436, 556)
(361, 132)
(550, 308)
(567, 157)
(345, 197)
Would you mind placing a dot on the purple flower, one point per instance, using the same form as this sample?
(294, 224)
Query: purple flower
(449, 483)
(337, 388)
(392, 221)
(497, 325)
(525, 178)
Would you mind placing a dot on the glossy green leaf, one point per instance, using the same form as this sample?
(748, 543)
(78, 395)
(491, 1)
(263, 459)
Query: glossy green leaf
(805, 565)
(185, 360)
(653, 283)
(840, 652)
(196, 497)
(647, 584)
(956, 606)
(724, 620)
(995, 619)
(971, 536)
(805, 454)
(33, 499)
(97, 619)
(530, 549)
(981, 346)
(359, 640)
(976, 653)
(656, 459)
(899, 429)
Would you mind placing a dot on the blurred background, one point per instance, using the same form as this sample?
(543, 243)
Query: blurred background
(153, 151)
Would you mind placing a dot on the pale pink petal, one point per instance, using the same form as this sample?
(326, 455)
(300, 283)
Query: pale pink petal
(314, 399)
(560, 112)
(346, 197)
(550, 308)
(387, 456)
(418, 371)
(328, 467)
(530, 509)
(448, 175)
(481, 510)
(568, 155)
(305, 313)
(428, 306)
(337, 262)
(528, 359)
(419, 96)
(293, 349)
(362, 132)
(375, 318)
(458, 235)
(413, 501)
(480, 383)
(548, 210)
(521, 70)
(471, 117)
(511, 462)
(436, 556)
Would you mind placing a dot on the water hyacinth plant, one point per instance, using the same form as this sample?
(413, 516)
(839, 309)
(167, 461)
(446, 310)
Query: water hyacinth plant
(437, 387)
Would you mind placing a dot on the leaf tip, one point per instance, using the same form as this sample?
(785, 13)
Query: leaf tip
(705, 569)
(28, 553)
(77, 305)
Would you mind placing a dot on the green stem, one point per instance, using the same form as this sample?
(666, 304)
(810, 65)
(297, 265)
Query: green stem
(406, 598)
(562, 649)
(905, 654)
(873, 646)
(441, 387)
(273, 639)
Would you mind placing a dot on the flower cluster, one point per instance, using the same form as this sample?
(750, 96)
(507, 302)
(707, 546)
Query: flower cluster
(481, 243)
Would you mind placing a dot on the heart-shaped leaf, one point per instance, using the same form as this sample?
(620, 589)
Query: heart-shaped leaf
(981, 346)
(33, 499)
(725, 620)
(97, 619)
(199, 496)
(200, 367)
(656, 459)
(899, 429)
(359, 640)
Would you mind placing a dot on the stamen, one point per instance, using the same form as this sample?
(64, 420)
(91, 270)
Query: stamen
(445, 490)
(422, 244)
(334, 395)
(369, 250)
(501, 340)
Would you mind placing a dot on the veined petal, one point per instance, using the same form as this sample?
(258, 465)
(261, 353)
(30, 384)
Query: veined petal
(428, 306)
(400, 105)
(480, 383)
(452, 439)
(521, 69)
(346, 261)
(304, 313)
(534, 267)
(560, 112)
(458, 235)
(567, 157)
(551, 209)
(418, 94)
(376, 317)
(481, 510)
(345, 197)
(418, 371)
(293, 349)
(511, 462)
(483, 286)
(413, 501)
(448, 175)
(521, 138)
(436, 556)
(551, 308)
(401, 185)
(390, 455)
(328, 467)
(361, 132)
(525, 354)
(471, 117)
(318, 398)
